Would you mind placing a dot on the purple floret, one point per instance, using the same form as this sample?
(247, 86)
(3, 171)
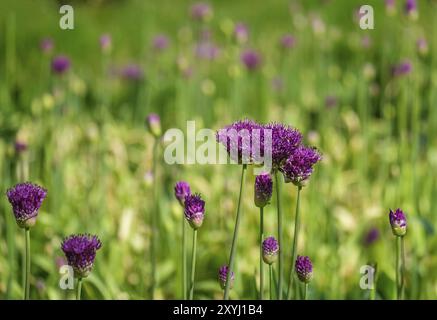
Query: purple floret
(285, 141)
(181, 191)
(299, 166)
(304, 268)
(80, 251)
(26, 199)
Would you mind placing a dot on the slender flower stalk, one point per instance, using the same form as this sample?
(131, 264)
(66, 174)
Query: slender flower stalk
(304, 271)
(182, 190)
(194, 213)
(297, 169)
(79, 289)
(398, 224)
(234, 239)
(295, 238)
(271, 281)
(26, 200)
(280, 237)
(263, 194)
(27, 273)
(261, 265)
(153, 125)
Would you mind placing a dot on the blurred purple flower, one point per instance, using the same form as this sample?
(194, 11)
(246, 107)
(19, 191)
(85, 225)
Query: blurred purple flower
(47, 45)
(241, 32)
(287, 41)
(105, 42)
(251, 59)
(371, 236)
(20, 146)
(411, 8)
(422, 46)
(277, 84)
(201, 11)
(207, 50)
(132, 72)
(160, 42)
(401, 69)
(60, 64)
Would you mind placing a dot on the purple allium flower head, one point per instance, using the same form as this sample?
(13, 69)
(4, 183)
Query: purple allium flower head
(401, 69)
(153, 124)
(60, 64)
(299, 166)
(422, 46)
(398, 222)
(181, 191)
(207, 50)
(194, 210)
(411, 8)
(46, 45)
(26, 199)
(285, 140)
(270, 250)
(251, 59)
(223, 274)
(371, 236)
(263, 189)
(201, 11)
(160, 42)
(80, 251)
(131, 72)
(241, 32)
(243, 140)
(304, 268)
(20, 146)
(287, 41)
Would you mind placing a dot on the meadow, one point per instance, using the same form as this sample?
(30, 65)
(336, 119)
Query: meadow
(367, 99)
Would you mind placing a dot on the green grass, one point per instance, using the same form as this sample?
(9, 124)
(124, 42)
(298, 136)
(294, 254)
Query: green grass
(89, 148)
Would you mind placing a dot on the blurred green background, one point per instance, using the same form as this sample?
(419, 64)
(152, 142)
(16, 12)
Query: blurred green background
(88, 146)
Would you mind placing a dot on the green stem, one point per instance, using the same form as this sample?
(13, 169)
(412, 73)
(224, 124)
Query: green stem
(184, 259)
(79, 289)
(271, 281)
(153, 218)
(399, 268)
(402, 268)
(295, 239)
(280, 242)
(27, 274)
(261, 263)
(193, 264)
(305, 291)
(234, 239)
